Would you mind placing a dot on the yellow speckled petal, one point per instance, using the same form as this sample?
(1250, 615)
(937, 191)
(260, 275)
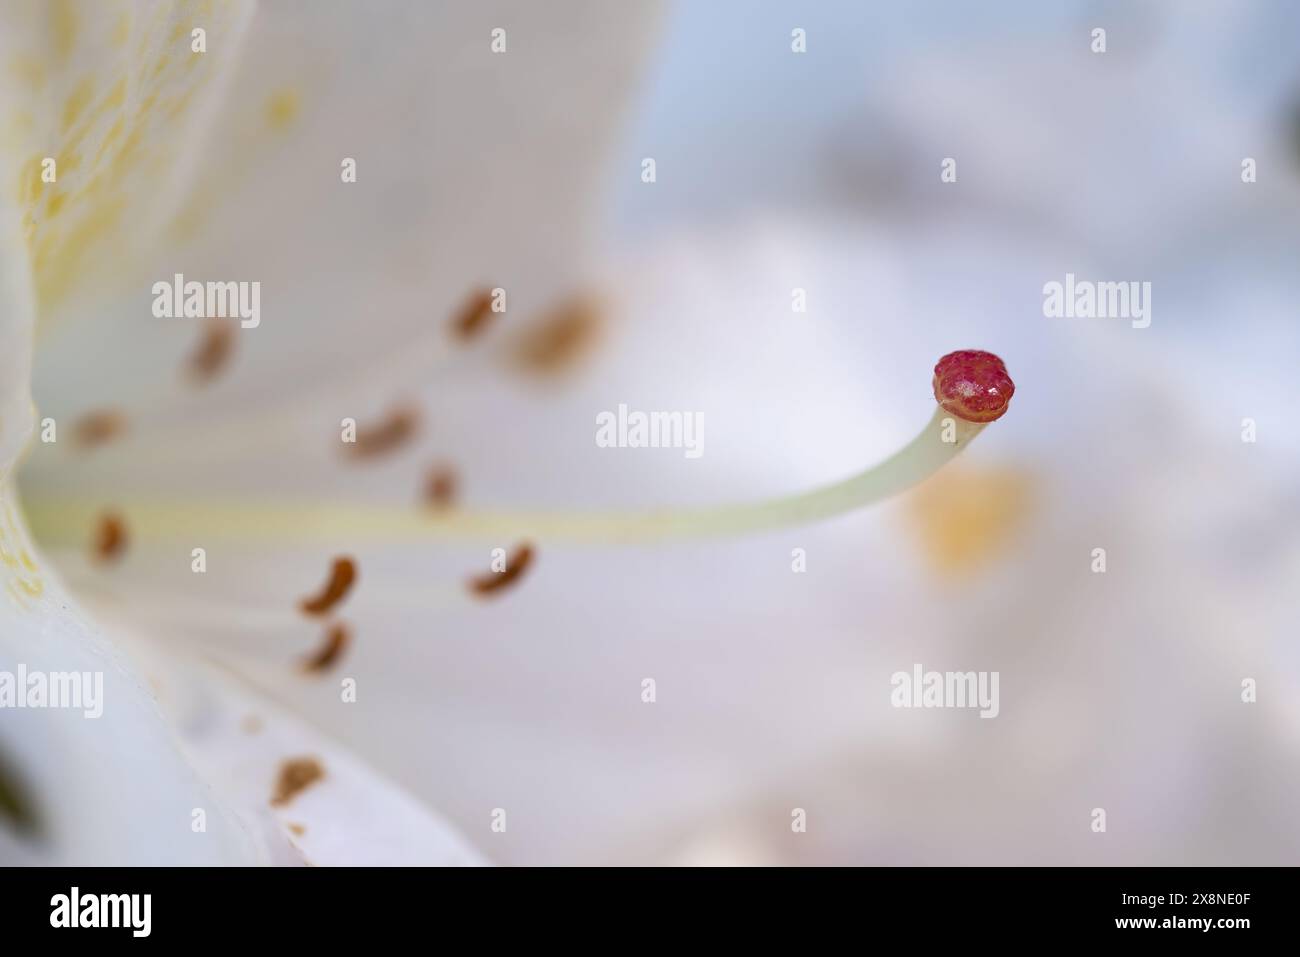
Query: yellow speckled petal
(102, 118)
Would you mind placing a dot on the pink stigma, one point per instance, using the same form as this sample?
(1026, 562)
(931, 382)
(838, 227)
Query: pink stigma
(973, 385)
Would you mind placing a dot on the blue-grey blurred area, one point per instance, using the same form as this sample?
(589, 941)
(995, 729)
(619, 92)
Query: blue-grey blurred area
(1172, 447)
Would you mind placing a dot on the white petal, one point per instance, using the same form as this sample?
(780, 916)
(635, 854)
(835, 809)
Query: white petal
(108, 789)
(473, 169)
(95, 790)
(241, 741)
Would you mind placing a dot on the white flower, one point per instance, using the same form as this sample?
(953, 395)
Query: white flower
(478, 170)
(221, 156)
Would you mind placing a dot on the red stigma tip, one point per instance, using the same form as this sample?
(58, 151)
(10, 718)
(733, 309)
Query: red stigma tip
(973, 385)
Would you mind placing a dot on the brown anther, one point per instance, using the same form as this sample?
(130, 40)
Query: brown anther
(336, 641)
(562, 337)
(96, 428)
(396, 430)
(213, 352)
(473, 316)
(297, 830)
(110, 538)
(342, 574)
(440, 487)
(296, 774)
(516, 565)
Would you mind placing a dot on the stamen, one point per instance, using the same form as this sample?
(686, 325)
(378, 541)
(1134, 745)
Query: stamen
(336, 641)
(516, 565)
(342, 574)
(440, 487)
(214, 351)
(388, 435)
(557, 341)
(96, 428)
(110, 538)
(296, 774)
(473, 316)
(56, 520)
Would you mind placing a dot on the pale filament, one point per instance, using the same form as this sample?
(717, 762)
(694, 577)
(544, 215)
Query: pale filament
(56, 520)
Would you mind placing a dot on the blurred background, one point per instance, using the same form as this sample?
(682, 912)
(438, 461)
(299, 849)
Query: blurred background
(775, 170)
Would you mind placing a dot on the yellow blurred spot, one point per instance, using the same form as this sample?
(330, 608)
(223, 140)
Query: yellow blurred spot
(55, 203)
(59, 272)
(76, 102)
(122, 29)
(110, 139)
(63, 20)
(282, 108)
(126, 156)
(181, 104)
(19, 570)
(28, 70)
(33, 588)
(17, 130)
(116, 97)
(966, 517)
(31, 185)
